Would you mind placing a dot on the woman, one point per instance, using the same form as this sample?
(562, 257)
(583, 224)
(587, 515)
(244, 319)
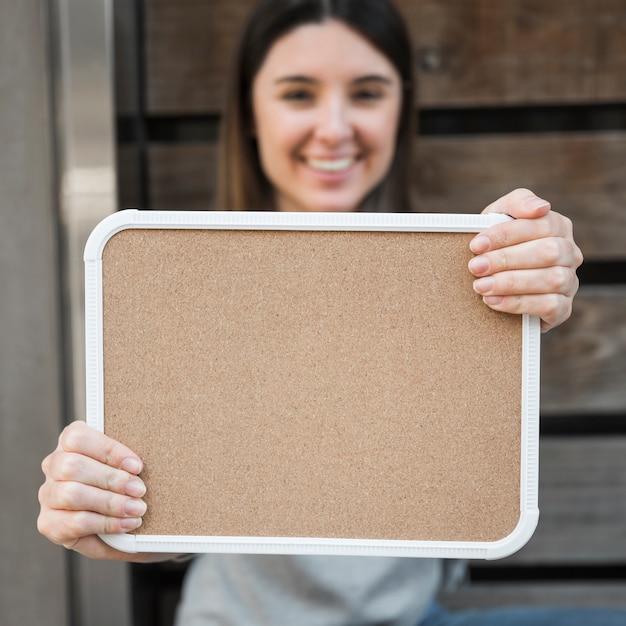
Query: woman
(319, 119)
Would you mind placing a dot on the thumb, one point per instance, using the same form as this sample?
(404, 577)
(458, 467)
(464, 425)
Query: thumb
(520, 203)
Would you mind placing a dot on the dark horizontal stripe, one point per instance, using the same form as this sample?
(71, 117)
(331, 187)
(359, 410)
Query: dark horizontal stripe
(535, 119)
(169, 129)
(528, 119)
(159, 576)
(166, 573)
(603, 272)
(583, 425)
(482, 573)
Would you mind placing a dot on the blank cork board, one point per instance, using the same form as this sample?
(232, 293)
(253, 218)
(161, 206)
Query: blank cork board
(312, 384)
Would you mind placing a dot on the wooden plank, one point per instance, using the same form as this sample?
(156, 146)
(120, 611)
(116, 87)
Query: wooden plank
(581, 174)
(468, 52)
(608, 595)
(584, 360)
(582, 503)
(189, 46)
(582, 523)
(183, 176)
(490, 52)
(611, 50)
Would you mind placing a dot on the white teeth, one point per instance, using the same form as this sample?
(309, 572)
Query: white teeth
(331, 165)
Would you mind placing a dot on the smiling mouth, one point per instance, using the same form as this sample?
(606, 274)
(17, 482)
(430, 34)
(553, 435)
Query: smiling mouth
(331, 165)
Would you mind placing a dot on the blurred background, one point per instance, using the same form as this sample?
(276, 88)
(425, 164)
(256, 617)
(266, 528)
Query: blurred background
(109, 104)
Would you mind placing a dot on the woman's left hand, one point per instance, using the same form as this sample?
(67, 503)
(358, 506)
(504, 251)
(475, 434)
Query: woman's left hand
(527, 265)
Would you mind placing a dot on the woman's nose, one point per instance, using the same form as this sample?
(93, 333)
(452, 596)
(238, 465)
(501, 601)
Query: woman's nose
(334, 124)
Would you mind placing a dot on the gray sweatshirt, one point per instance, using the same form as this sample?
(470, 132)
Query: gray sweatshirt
(247, 590)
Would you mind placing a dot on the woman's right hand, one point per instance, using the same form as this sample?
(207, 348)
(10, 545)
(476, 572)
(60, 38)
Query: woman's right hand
(92, 486)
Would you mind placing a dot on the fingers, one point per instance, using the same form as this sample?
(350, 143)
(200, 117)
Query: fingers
(527, 265)
(557, 255)
(79, 438)
(552, 308)
(71, 513)
(67, 528)
(520, 203)
(74, 467)
(506, 234)
(76, 496)
(558, 280)
(91, 488)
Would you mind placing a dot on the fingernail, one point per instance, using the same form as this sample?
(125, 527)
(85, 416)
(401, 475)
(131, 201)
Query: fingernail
(534, 203)
(480, 244)
(130, 523)
(484, 285)
(135, 488)
(493, 300)
(130, 465)
(479, 265)
(135, 508)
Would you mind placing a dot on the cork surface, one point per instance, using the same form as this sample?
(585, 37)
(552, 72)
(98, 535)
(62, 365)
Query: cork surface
(312, 384)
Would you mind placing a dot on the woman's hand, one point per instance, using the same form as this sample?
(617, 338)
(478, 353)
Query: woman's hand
(527, 265)
(92, 486)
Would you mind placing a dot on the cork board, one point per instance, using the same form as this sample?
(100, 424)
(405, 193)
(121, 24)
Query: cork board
(312, 388)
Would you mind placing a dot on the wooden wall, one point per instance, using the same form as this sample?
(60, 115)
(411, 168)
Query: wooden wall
(511, 93)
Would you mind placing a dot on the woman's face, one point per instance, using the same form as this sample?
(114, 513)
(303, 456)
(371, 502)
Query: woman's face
(326, 107)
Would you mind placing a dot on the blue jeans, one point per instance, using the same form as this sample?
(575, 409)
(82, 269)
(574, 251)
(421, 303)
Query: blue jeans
(524, 616)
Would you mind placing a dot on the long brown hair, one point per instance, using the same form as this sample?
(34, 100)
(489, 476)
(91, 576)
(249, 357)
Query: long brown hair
(242, 182)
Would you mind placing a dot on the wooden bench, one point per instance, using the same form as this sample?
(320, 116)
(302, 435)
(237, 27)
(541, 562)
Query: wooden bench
(511, 93)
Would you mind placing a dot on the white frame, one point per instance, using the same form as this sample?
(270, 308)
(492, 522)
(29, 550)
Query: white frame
(413, 222)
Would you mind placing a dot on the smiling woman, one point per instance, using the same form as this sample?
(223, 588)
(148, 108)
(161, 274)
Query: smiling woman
(321, 110)
(326, 107)
(319, 118)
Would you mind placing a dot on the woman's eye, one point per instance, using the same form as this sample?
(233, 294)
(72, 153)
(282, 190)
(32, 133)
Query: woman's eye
(298, 95)
(367, 95)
